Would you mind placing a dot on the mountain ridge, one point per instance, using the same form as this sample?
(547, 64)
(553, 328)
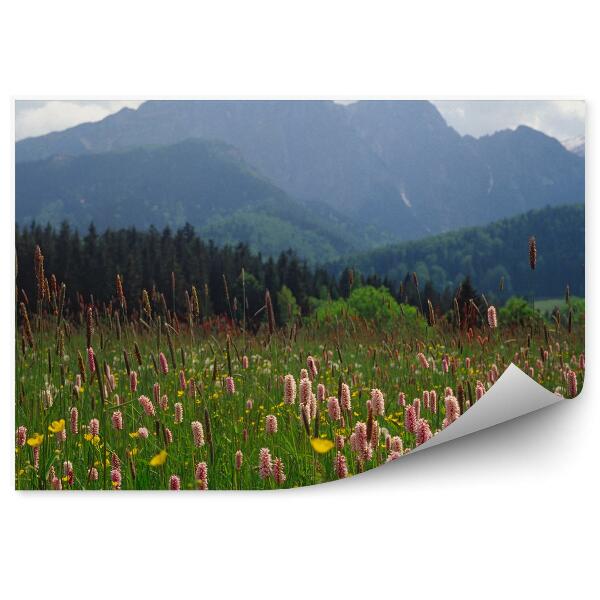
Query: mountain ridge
(396, 166)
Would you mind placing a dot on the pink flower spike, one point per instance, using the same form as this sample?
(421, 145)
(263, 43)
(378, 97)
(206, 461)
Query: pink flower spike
(74, 420)
(279, 472)
(341, 468)
(239, 459)
(164, 365)
(271, 424)
(94, 427)
(117, 420)
(147, 405)
(21, 436)
(333, 408)
(289, 389)
(178, 413)
(198, 434)
(265, 464)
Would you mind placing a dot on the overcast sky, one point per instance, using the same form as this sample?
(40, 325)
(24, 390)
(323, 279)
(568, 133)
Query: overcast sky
(562, 119)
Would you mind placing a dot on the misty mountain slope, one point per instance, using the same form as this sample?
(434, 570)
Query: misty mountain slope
(394, 165)
(307, 148)
(436, 170)
(204, 183)
(530, 170)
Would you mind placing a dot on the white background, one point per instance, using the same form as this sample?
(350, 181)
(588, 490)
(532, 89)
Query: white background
(511, 512)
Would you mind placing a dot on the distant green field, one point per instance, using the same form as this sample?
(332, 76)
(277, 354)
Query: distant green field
(548, 305)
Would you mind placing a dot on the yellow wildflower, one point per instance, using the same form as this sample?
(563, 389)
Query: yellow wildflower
(57, 426)
(159, 459)
(321, 446)
(35, 440)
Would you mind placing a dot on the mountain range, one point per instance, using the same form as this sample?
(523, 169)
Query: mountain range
(344, 177)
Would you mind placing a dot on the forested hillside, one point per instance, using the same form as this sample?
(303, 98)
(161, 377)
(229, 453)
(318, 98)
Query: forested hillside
(203, 183)
(489, 254)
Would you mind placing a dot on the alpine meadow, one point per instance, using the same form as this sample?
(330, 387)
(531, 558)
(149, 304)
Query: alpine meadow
(253, 295)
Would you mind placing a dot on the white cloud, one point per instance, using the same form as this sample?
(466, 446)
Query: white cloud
(561, 119)
(37, 117)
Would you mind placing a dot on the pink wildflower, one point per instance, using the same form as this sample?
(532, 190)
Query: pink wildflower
(426, 396)
(423, 360)
(115, 477)
(164, 365)
(305, 391)
(417, 407)
(74, 419)
(452, 410)
(239, 459)
(271, 424)
(289, 389)
(279, 472)
(147, 405)
(346, 398)
(94, 427)
(168, 435)
(410, 419)
(117, 420)
(265, 464)
(341, 468)
(492, 317)
(333, 408)
(133, 381)
(423, 432)
(21, 436)
(198, 433)
(163, 402)
(312, 367)
(178, 412)
(321, 392)
(396, 444)
(393, 456)
(202, 476)
(377, 402)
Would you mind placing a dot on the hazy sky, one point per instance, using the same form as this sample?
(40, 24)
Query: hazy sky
(562, 119)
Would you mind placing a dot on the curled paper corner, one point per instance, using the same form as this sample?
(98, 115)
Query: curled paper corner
(513, 395)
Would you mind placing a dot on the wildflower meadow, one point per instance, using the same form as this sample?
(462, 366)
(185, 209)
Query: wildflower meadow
(131, 395)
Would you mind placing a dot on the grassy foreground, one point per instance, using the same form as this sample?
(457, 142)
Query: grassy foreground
(108, 401)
